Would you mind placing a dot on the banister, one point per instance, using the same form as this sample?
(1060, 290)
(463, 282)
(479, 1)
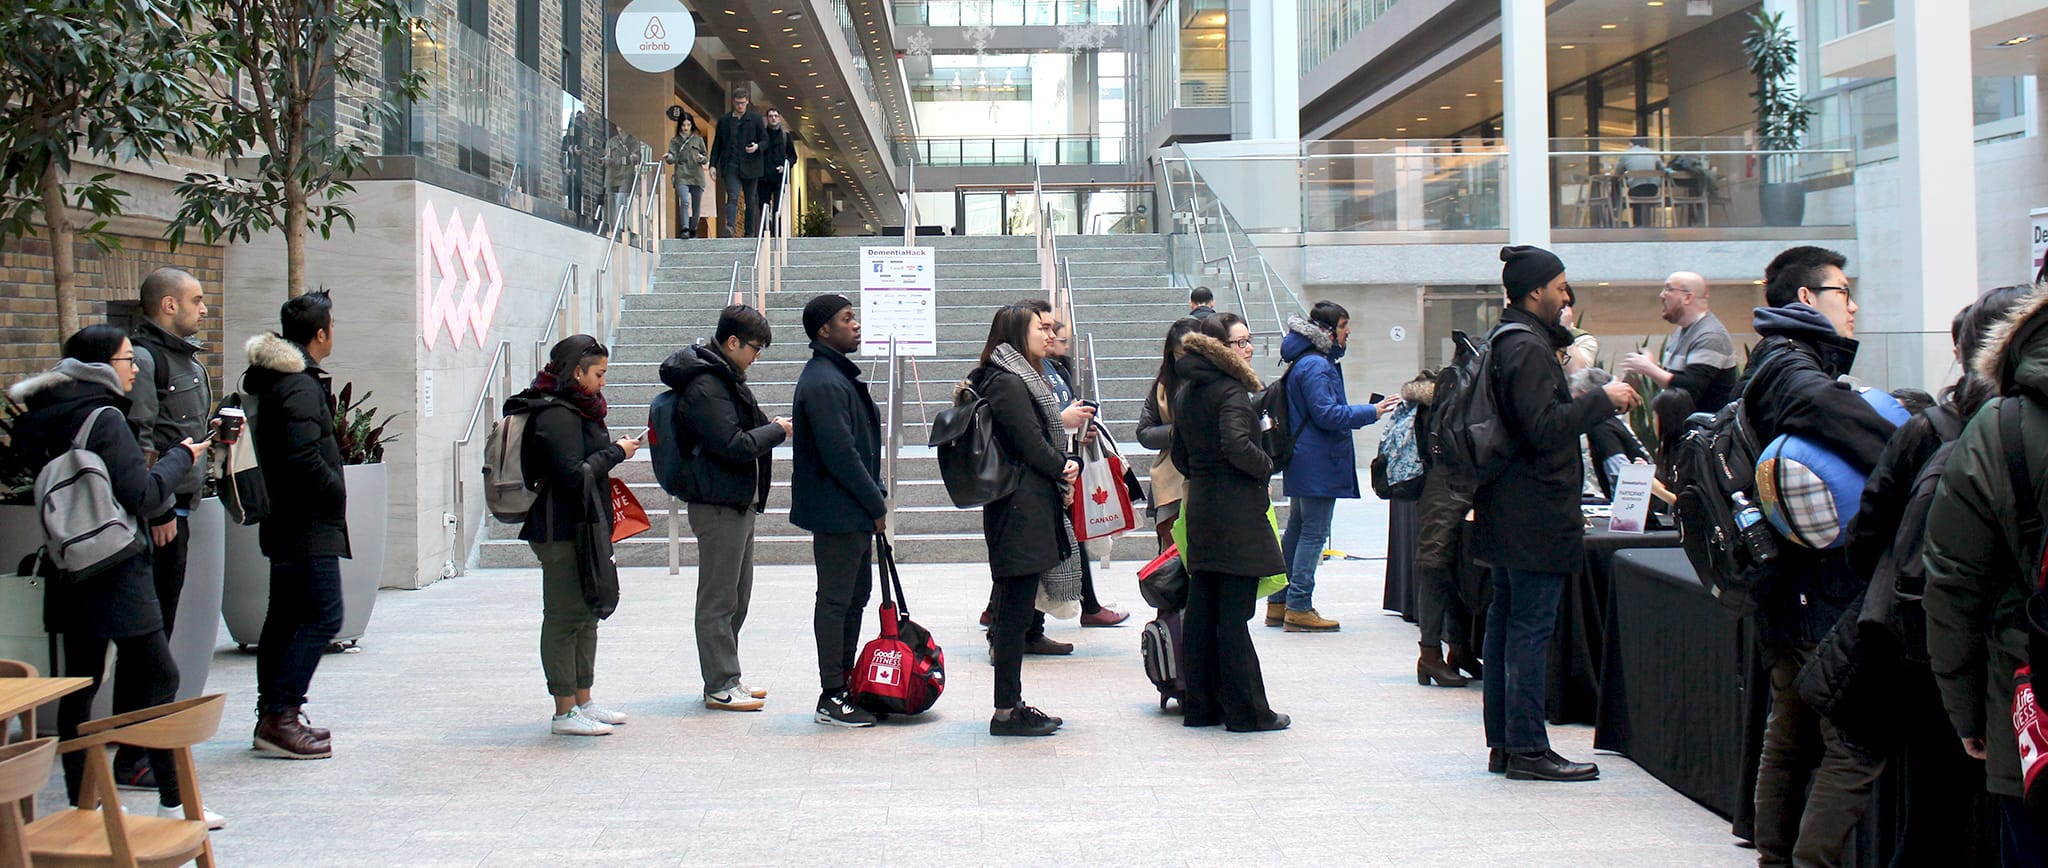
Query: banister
(457, 565)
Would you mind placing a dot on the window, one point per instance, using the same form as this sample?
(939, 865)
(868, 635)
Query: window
(1204, 54)
(527, 39)
(474, 14)
(572, 46)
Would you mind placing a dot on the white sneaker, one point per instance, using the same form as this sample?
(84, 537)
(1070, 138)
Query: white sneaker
(756, 692)
(733, 699)
(214, 822)
(574, 723)
(602, 714)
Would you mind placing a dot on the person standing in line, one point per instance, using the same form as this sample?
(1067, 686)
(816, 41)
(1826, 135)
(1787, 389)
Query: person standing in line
(729, 446)
(1028, 532)
(1324, 466)
(1216, 444)
(686, 154)
(1201, 303)
(118, 605)
(1529, 527)
(305, 536)
(737, 140)
(170, 401)
(1058, 368)
(568, 456)
(1444, 618)
(1584, 351)
(1155, 432)
(777, 153)
(836, 494)
(1700, 356)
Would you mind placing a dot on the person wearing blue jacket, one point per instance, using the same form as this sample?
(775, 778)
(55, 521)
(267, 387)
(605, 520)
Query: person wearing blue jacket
(1325, 464)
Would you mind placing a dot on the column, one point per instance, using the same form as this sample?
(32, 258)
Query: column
(1525, 87)
(1938, 174)
(1275, 65)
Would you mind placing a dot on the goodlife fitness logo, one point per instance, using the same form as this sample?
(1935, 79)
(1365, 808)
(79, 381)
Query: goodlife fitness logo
(459, 279)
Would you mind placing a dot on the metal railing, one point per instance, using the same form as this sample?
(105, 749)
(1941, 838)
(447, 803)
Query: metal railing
(1196, 210)
(571, 288)
(499, 373)
(976, 151)
(771, 246)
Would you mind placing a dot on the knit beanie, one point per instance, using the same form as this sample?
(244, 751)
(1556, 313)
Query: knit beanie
(1528, 269)
(820, 311)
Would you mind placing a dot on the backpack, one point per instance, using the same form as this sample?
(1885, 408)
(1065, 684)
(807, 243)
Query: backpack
(86, 531)
(670, 444)
(506, 493)
(971, 459)
(1725, 538)
(1397, 470)
(1160, 644)
(1470, 436)
(902, 671)
(1274, 405)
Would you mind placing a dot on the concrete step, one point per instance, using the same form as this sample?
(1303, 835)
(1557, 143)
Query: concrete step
(701, 311)
(1131, 552)
(821, 267)
(937, 391)
(930, 370)
(912, 491)
(655, 345)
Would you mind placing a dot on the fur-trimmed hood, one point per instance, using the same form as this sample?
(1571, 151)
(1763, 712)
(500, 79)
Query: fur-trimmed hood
(67, 373)
(273, 353)
(1219, 356)
(1421, 390)
(2015, 351)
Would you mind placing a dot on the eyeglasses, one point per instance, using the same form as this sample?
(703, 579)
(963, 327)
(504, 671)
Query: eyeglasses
(1841, 289)
(128, 359)
(757, 348)
(1241, 343)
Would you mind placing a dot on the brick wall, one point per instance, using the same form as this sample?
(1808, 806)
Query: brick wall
(29, 342)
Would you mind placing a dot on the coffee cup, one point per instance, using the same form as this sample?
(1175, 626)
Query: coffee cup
(231, 420)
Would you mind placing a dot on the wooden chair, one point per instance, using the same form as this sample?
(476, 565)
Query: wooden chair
(1639, 203)
(84, 836)
(24, 768)
(1689, 196)
(16, 669)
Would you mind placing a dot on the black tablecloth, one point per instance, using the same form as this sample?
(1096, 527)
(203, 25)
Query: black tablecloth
(1575, 649)
(1402, 588)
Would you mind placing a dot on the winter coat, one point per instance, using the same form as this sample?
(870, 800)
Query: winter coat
(686, 155)
(561, 444)
(1528, 516)
(729, 145)
(295, 445)
(1976, 587)
(1792, 388)
(778, 148)
(1446, 497)
(1217, 446)
(836, 476)
(1155, 432)
(120, 601)
(163, 418)
(1325, 461)
(735, 442)
(1024, 532)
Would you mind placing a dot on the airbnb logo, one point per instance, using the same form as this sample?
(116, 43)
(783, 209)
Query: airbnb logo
(654, 29)
(459, 278)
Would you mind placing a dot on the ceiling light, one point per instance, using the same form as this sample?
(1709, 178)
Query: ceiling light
(2017, 40)
(1609, 26)
(789, 30)
(730, 12)
(1422, 119)
(1566, 47)
(796, 45)
(1400, 129)
(744, 30)
(1656, 2)
(1472, 93)
(1444, 108)
(1604, 283)
(757, 47)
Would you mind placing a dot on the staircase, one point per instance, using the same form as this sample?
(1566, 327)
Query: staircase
(1122, 296)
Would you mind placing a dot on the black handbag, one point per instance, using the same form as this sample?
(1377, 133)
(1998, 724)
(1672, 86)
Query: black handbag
(971, 461)
(596, 564)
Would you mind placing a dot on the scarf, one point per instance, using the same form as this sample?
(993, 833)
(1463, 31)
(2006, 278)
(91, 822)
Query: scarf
(558, 378)
(1060, 587)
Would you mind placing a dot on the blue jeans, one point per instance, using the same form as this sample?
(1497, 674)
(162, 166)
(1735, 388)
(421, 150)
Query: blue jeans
(304, 615)
(1517, 655)
(1308, 530)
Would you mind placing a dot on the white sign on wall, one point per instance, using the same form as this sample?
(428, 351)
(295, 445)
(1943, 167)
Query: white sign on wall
(2040, 247)
(898, 298)
(655, 35)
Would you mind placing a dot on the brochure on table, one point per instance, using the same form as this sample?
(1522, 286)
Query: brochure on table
(1632, 499)
(897, 298)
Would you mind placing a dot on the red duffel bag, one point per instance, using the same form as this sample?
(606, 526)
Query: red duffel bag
(901, 671)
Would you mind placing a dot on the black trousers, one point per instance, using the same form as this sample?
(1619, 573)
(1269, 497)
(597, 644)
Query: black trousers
(168, 561)
(144, 675)
(1015, 602)
(1224, 682)
(845, 579)
(1036, 629)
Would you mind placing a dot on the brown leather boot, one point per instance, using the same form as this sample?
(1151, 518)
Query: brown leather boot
(1461, 658)
(1308, 621)
(1276, 614)
(1431, 667)
(282, 734)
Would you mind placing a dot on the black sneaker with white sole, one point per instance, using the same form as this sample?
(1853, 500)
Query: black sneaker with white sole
(1026, 721)
(835, 709)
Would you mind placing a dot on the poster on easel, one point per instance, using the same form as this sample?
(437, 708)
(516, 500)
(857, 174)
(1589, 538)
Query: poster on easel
(898, 298)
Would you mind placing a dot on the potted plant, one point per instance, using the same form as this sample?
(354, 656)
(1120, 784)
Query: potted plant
(21, 598)
(1781, 115)
(814, 222)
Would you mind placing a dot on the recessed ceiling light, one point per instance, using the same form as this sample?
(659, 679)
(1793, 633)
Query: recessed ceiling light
(1605, 283)
(1422, 119)
(1472, 93)
(757, 47)
(1609, 26)
(796, 45)
(1400, 129)
(1566, 47)
(744, 30)
(1444, 108)
(1656, 2)
(2017, 40)
(730, 12)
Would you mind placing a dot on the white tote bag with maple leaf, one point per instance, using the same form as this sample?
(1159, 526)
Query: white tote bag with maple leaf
(1103, 506)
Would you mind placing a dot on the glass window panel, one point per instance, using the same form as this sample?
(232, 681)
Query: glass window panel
(1618, 102)
(1657, 84)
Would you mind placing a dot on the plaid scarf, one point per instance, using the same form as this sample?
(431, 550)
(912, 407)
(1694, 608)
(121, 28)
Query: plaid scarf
(1061, 584)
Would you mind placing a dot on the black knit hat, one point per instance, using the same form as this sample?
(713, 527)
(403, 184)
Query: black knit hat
(821, 310)
(1528, 269)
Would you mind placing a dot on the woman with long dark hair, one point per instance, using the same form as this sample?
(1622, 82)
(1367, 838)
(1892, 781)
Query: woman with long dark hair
(568, 457)
(686, 152)
(1216, 444)
(1030, 538)
(1155, 432)
(87, 393)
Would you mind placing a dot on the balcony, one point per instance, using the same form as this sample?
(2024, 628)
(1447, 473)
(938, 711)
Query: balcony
(1007, 13)
(962, 152)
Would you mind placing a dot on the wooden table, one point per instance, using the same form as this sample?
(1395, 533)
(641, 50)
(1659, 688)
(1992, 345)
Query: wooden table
(20, 697)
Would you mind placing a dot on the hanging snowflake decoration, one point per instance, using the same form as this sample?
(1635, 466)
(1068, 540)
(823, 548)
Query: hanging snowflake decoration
(979, 37)
(918, 44)
(1077, 38)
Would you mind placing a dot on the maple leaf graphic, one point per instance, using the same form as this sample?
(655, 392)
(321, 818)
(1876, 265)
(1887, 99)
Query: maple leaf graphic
(1100, 495)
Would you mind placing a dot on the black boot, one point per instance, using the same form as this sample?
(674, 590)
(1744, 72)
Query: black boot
(1461, 658)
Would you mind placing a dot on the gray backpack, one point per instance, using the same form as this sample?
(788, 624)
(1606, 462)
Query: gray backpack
(85, 529)
(505, 491)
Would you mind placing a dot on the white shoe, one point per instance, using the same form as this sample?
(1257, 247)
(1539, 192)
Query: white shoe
(756, 692)
(574, 723)
(602, 714)
(733, 699)
(214, 822)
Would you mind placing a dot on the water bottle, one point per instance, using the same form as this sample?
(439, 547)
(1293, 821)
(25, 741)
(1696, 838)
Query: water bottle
(1756, 536)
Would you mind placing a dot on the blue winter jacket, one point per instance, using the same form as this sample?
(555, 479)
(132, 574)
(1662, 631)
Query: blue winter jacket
(1325, 463)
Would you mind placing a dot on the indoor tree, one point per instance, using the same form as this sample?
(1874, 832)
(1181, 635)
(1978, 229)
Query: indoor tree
(1781, 114)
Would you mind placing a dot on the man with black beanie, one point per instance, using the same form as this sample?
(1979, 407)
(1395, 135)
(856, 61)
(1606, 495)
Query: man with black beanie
(1529, 529)
(836, 494)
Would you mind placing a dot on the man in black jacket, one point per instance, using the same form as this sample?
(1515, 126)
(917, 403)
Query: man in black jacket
(305, 536)
(1808, 333)
(728, 444)
(836, 494)
(736, 154)
(1529, 528)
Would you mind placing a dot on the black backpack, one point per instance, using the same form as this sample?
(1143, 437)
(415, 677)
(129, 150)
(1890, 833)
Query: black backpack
(1714, 463)
(1279, 434)
(1470, 437)
(971, 459)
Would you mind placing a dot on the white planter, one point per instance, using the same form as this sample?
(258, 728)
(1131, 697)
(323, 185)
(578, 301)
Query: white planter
(21, 598)
(198, 624)
(247, 598)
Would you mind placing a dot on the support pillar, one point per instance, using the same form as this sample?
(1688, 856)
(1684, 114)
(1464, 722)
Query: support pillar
(1525, 87)
(1938, 177)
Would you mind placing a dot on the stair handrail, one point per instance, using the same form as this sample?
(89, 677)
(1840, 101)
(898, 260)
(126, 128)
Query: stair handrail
(1266, 274)
(768, 261)
(547, 332)
(646, 176)
(732, 288)
(458, 518)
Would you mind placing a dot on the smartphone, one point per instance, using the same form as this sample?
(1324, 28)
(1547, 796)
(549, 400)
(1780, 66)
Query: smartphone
(1090, 404)
(1376, 398)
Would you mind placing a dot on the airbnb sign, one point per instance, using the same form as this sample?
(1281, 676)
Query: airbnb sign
(459, 279)
(654, 35)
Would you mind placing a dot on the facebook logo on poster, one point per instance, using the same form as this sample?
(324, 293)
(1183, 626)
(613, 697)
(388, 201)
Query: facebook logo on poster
(878, 268)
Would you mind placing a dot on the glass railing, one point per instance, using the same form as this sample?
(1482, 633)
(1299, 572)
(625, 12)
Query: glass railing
(1326, 25)
(1698, 183)
(1011, 151)
(1007, 13)
(1418, 185)
(1209, 247)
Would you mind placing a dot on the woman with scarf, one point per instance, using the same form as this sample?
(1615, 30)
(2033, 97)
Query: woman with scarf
(118, 605)
(1155, 432)
(568, 458)
(1216, 444)
(1030, 539)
